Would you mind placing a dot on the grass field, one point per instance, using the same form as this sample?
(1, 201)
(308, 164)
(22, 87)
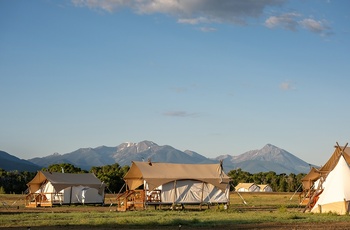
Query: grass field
(256, 211)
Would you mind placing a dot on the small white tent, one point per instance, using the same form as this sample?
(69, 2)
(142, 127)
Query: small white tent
(247, 187)
(336, 193)
(49, 188)
(265, 188)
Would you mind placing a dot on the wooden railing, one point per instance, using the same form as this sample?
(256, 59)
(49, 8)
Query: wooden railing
(42, 199)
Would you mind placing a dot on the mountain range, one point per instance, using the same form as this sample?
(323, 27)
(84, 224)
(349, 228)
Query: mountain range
(9, 162)
(269, 158)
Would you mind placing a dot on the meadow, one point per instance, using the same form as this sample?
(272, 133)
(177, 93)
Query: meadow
(254, 211)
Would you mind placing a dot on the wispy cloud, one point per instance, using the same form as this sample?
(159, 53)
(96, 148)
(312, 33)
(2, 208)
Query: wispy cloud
(293, 21)
(207, 29)
(180, 114)
(286, 21)
(179, 89)
(287, 85)
(319, 27)
(206, 12)
(190, 11)
(193, 21)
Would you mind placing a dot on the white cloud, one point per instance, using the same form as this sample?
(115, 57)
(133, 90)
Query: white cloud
(190, 11)
(287, 85)
(194, 12)
(286, 21)
(193, 21)
(179, 114)
(291, 21)
(107, 5)
(312, 25)
(207, 29)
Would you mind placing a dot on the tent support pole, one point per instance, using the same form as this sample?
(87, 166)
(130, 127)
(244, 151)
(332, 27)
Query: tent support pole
(174, 198)
(70, 197)
(345, 206)
(296, 191)
(200, 206)
(319, 187)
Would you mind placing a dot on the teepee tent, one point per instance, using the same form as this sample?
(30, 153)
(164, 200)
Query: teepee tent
(313, 182)
(336, 193)
(315, 174)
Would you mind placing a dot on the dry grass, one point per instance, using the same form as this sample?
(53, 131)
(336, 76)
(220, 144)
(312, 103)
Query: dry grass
(261, 211)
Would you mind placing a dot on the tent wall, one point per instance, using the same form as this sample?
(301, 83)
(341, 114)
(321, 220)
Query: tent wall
(81, 195)
(336, 192)
(191, 191)
(340, 207)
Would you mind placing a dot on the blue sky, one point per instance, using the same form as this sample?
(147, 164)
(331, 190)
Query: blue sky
(215, 77)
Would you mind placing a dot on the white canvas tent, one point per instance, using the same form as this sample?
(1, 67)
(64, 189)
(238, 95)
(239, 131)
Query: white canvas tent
(313, 182)
(168, 183)
(336, 193)
(265, 188)
(247, 187)
(49, 188)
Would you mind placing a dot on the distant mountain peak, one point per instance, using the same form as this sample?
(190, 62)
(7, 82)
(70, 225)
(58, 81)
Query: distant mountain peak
(268, 158)
(9, 162)
(140, 146)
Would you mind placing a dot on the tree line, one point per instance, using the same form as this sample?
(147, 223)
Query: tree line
(278, 182)
(112, 176)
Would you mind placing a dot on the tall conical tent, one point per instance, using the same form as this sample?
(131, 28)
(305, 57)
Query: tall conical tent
(336, 194)
(314, 174)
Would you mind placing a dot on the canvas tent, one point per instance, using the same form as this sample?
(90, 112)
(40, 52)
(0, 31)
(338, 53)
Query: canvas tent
(314, 182)
(168, 183)
(335, 196)
(315, 174)
(265, 188)
(247, 187)
(49, 188)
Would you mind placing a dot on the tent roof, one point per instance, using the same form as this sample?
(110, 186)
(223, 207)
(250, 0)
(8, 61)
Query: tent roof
(314, 173)
(244, 185)
(337, 187)
(156, 174)
(63, 180)
(263, 186)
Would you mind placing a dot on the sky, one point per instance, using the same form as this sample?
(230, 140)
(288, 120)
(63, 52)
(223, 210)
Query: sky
(214, 77)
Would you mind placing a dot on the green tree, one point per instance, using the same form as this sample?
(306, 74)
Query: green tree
(64, 167)
(282, 184)
(111, 175)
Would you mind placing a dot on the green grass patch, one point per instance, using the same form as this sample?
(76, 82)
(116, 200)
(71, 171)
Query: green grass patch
(259, 208)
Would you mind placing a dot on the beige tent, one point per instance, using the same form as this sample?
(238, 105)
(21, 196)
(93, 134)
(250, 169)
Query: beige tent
(247, 187)
(49, 188)
(314, 174)
(335, 196)
(265, 188)
(179, 183)
(313, 181)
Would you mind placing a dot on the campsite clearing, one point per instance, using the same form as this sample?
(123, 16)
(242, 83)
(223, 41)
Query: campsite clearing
(263, 211)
